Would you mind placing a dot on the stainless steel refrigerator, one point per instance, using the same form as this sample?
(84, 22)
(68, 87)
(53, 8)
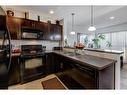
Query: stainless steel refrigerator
(5, 51)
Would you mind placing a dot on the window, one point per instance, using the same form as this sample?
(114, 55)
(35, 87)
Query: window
(85, 39)
(117, 39)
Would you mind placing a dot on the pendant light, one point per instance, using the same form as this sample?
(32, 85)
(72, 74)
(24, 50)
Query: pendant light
(72, 31)
(92, 28)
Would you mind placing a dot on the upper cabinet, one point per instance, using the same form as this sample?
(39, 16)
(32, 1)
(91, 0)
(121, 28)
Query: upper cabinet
(43, 27)
(28, 24)
(14, 27)
(50, 31)
(55, 32)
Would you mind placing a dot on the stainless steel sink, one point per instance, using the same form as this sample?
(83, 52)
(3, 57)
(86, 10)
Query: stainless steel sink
(71, 53)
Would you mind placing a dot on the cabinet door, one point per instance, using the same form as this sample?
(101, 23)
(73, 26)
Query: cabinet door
(49, 63)
(58, 63)
(57, 32)
(42, 27)
(14, 72)
(50, 33)
(14, 27)
(27, 23)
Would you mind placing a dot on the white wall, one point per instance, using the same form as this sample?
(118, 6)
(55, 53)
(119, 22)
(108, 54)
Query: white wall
(31, 15)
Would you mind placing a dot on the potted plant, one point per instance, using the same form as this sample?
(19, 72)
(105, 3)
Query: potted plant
(96, 40)
(109, 44)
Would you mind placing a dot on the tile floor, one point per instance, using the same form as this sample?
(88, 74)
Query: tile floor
(33, 84)
(37, 83)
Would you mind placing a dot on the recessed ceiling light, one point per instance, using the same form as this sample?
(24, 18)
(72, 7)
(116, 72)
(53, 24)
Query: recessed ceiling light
(112, 17)
(51, 12)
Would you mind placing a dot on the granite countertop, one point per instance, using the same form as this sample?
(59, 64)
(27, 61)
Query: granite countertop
(92, 61)
(105, 50)
(89, 60)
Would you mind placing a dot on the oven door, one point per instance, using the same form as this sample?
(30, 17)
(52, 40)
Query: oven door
(32, 68)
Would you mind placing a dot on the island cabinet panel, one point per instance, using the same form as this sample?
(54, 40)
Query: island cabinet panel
(106, 78)
(83, 75)
(14, 27)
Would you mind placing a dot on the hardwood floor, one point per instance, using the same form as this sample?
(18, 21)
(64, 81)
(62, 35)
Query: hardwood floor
(124, 77)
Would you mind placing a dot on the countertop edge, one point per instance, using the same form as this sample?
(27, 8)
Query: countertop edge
(95, 67)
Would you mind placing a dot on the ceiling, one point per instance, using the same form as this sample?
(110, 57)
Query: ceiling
(82, 14)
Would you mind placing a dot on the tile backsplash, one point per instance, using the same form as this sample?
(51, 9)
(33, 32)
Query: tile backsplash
(49, 44)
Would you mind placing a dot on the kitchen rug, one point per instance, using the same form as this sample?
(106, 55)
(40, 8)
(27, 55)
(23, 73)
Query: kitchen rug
(53, 83)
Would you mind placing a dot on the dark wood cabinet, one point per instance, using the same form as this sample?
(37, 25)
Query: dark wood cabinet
(14, 72)
(55, 32)
(28, 24)
(42, 26)
(52, 32)
(75, 75)
(49, 63)
(14, 27)
(53, 63)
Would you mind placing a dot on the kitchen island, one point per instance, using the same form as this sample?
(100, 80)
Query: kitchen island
(90, 71)
(110, 54)
(105, 53)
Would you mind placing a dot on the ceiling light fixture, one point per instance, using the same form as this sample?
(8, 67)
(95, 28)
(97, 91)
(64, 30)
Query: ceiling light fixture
(112, 17)
(72, 31)
(51, 12)
(92, 28)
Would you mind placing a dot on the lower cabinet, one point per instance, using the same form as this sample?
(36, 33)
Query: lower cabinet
(14, 72)
(49, 63)
(72, 73)
(54, 63)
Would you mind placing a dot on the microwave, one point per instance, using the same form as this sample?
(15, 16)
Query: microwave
(31, 34)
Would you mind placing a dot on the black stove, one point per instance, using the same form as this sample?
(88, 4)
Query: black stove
(33, 60)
